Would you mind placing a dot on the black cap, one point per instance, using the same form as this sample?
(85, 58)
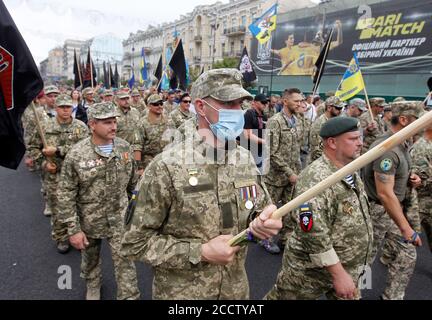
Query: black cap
(339, 125)
(261, 98)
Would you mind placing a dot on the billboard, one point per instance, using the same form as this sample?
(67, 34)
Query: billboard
(388, 37)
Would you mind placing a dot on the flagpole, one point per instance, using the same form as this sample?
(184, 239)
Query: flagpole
(40, 131)
(79, 74)
(322, 64)
(167, 65)
(427, 97)
(91, 70)
(367, 101)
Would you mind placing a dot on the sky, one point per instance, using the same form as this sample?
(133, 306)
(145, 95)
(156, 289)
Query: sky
(45, 24)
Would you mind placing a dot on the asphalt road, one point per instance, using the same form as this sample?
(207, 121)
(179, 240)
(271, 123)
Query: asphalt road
(29, 262)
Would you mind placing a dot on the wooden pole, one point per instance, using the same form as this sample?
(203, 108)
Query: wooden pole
(40, 130)
(427, 97)
(91, 72)
(352, 167)
(368, 103)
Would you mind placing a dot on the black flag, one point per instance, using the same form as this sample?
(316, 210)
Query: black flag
(107, 84)
(246, 68)
(178, 65)
(78, 81)
(116, 78)
(89, 73)
(158, 71)
(111, 78)
(321, 62)
(20, 83)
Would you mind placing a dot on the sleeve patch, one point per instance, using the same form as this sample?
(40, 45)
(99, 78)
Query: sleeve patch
(306, 217)
(386, 165)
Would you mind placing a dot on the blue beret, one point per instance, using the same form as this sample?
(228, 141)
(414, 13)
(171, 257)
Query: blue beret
(339, 125)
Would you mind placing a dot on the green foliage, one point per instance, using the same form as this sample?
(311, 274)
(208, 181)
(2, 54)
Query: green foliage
(227, 63)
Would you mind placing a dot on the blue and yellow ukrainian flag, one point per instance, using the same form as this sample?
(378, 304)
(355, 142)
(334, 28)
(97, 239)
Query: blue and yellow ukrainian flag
(143, 68)
(352, 81)
(264, 25)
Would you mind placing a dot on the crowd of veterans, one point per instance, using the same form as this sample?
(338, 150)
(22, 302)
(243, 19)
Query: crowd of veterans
(168, 177)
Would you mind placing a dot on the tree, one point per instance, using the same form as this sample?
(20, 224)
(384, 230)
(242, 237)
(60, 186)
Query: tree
(226, 63)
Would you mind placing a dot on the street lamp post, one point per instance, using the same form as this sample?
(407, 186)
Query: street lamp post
(214, 27)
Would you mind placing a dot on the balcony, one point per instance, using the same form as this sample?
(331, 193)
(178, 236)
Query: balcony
(232, 54)
(234, 31)
(198, 38)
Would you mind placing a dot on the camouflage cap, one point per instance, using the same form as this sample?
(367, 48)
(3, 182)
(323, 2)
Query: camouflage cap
(407, 108)
(142, 89)
(333, 101)
(108, 93)
(51, 89)
(103, 110)
(378, 101)
(220, 84)
(135, 93)
(154, 98)
(399, 99)
(64, 100)
(122, 94)
(329, 94)
(87, 91)
(359, 103)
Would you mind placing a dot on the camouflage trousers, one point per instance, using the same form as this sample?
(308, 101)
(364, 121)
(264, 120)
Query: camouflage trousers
(50, 186)
(124, 269)
(425, 208)
(304, 284)
(400, 257)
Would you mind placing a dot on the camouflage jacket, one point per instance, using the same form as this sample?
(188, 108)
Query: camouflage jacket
(187, 198)
(421, 154)
(153, 139)
(270, 111)
(315, 140)
(369, 137)
(169, 107)
(141, 107)
(334, 226)
(178, 117)
(29, 122)
(93, 188)
(286, 142)
(62, 136)
(128, 127)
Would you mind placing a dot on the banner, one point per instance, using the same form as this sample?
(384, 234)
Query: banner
(389, 37)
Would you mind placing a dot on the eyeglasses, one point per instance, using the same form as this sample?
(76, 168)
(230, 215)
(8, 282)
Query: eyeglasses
(186, 101)
(157, 104)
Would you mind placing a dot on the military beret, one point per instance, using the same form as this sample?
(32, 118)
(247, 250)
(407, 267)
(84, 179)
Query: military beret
(103, 110)
(220, 84)
(64, 100)
(339, 125)
(407, 108)
(378, 101)
(359, 103)
(87, 91)
(51, 89)
(154, 98)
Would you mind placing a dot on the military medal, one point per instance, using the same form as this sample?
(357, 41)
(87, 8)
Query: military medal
(249, 205)
(248, 195)
(193, 181)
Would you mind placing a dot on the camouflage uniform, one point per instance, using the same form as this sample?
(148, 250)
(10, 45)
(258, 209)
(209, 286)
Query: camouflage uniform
(140, 106)
(152, 138)
(365, 119)
(128, 127)
(341, 231)
(246, 105)
(286, 141)
(316, 143)
(270, 111)
(93, 199)
(422, 165)
(173, 217)
(63, 137)
(169, 107)
(178, 117)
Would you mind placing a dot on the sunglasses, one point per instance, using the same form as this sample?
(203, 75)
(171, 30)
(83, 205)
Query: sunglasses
(157, 104)
(186, 101)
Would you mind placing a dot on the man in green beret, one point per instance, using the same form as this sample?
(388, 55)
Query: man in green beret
(330, 247)
(388, 181)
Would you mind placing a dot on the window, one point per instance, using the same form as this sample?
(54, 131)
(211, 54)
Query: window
(243, 21)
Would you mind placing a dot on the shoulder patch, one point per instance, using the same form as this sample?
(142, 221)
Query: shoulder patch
(386, 165)
(306, 217)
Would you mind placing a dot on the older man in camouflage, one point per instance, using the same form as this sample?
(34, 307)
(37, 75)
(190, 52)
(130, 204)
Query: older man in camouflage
(61, 133)
(421, 154)
(96, 177)
(372, 129)
(195, 196)
(333, 109)
(153, 130)
(331, 244)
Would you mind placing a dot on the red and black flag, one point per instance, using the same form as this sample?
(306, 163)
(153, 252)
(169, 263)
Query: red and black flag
(78, 80)
(178, 66)
(246, 68)
(321, 62)
(20, 83)
(89, 73)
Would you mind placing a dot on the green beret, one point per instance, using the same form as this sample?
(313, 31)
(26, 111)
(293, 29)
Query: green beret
(339, 125)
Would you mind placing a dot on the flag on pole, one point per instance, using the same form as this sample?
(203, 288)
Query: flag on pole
(178, 65)
(105, 76)
(89, 79)
(263, 27)
(143, 68)
(116, 77)
(78, 81)
(187, 73)
(246, 68)
(321, 62)
(158, 70)
(165, 83)
(352, 81)
(131, 81)
(20, 83)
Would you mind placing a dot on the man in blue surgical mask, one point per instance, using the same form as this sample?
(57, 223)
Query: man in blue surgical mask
(196, 195)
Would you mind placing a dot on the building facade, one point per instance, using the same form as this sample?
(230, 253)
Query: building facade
(68, 56)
